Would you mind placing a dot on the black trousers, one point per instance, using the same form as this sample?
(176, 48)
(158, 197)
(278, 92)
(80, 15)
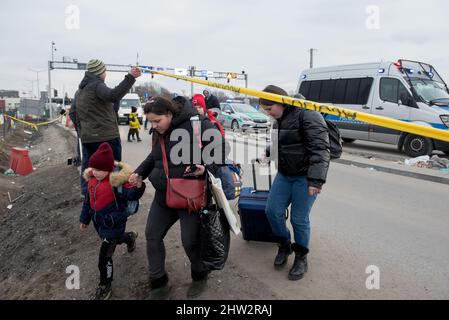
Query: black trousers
(132, 133)
(160, 220)
(105, 264)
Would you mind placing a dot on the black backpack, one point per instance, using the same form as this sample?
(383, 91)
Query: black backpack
(334, 140)
(336, 147)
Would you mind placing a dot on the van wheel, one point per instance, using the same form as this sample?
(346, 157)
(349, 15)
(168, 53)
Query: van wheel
(347, 140)
(415, 146)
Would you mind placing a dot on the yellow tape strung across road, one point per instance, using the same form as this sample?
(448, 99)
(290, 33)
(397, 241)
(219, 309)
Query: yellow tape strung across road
(430, 132)
(34, 125)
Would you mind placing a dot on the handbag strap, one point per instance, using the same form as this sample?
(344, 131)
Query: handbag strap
(195, 121)
(164, 155)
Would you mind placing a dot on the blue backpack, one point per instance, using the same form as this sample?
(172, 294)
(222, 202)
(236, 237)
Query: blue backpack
(230, 175)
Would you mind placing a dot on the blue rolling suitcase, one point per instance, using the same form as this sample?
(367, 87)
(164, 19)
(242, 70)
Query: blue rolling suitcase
(251, 208)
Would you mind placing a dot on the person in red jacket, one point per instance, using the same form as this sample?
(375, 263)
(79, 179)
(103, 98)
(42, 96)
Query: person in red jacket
(199, 103)
(105, 205)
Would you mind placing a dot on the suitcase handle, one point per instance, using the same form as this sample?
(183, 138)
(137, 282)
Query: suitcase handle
(253, 164)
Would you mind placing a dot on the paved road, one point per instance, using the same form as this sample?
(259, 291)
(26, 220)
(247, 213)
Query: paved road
(362, 218)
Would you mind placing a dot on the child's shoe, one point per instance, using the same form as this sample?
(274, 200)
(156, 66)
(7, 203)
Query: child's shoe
(104, 292)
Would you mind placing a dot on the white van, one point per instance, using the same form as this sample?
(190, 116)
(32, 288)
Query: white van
(405, 90)
(128, 101)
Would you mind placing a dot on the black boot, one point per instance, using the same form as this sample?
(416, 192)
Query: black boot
(283, 252)
(131, 245)
(160, 288)
(198, 285)
(299, 267)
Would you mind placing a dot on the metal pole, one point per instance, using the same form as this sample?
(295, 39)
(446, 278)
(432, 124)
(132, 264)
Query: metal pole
(38, 92)
(192, 73)
(4, 123)
(311, 57)
(49, 89)
(63, 97)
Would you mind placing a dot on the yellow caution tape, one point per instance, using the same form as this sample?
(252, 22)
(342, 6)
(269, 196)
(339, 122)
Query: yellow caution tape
(34, 125)
(417, 129)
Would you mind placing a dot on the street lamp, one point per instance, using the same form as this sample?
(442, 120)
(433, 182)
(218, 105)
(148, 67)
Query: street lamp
(32, 88)
(37, 76)
(53, 49)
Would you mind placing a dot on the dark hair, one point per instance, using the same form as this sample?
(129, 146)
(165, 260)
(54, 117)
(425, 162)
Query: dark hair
(180, 101)
(160, 106)
(133, 109)
(272, 89)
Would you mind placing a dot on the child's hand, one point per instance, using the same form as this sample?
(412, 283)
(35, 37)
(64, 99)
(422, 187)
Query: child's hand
(139, 183)
(83, 226)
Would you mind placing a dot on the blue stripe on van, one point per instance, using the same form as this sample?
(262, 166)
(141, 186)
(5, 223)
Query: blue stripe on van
(445, 108)
(334, 118)
(434, 125)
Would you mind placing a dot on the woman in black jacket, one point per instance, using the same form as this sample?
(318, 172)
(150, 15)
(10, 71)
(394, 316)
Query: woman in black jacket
(175, 124)
(301, 151)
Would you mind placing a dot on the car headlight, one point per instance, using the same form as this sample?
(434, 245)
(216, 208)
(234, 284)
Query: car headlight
(445, 120)
(246, 118)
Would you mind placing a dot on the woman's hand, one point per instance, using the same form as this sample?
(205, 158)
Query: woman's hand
(135, 180)
(200, 169)
(83, 226)
(314, 191)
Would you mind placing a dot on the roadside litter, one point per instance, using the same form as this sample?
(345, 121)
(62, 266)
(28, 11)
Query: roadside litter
(416, 161)
(428, 162)
(438, 162)
(10, 173)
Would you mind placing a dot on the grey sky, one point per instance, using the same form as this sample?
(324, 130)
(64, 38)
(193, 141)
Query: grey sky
(267, 39)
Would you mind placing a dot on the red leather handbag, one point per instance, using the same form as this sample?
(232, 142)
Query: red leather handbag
(183, 193)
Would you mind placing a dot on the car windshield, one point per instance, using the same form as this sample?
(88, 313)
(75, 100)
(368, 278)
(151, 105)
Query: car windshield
(431, 91)
(128, 103)
(244, 108)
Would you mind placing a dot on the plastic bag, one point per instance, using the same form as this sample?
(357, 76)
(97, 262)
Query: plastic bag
(223, 203)
(215, 238)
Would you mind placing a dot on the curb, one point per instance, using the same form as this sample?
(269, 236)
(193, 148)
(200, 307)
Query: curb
(420, 176)
(415, 175)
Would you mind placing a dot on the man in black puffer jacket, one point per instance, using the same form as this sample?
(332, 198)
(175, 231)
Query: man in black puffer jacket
(96, 118)
(301, 150)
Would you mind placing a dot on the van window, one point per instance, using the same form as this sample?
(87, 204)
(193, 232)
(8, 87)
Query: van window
(327, 91)
(304, 89)
(391, 89)
(314, 93)
(364, 90)
(341, 91)
(352, 91)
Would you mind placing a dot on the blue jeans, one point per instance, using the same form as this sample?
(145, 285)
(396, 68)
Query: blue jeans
(89, 149)
(285, 191)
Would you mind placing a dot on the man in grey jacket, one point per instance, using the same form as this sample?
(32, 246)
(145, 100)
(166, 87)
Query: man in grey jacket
(96, 118)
